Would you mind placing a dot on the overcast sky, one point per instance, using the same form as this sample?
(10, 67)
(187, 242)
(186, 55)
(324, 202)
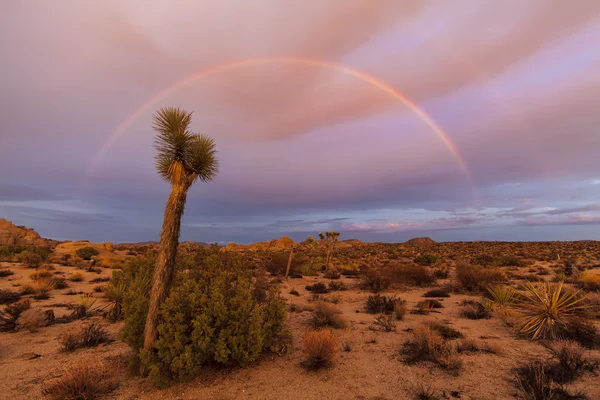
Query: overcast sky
(514, 84)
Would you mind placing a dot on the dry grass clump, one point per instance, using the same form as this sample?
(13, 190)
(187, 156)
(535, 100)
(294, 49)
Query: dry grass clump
(437, 293)
(447, 332)
(4, 272)
(384, 323)
(337, 286)
(8, 296)
(320, 348)
(422, 391)
(582, 331)
(326, 314)
(318, 287)
(472, 309)
(428, 345)
(379, 304)
(76, 277)
(475, 278)
(83, 382)
(91, 335)
(41, 274)
(534, 383)
(570, 359)
(547, 309)
(476, 346)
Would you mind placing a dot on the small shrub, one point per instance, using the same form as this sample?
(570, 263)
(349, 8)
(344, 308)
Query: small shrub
(437, 293)
(93, 334)
(384, 323)
(100, 279)
(30, 259)
(475, 310)
(399, 311)
(475, 346)
(294, 292)
(428, 259)
(422, 391)
(327, 315)
(378, 304)
(447, 332)
(82, 305)
(8, 296)
(5, 272)
(347, 347)
(374, 281)
(534, 383)
(76, 277)
(320, 348)
(84, 381)
(581, 331)
(332, 274)
(318, 287)
(476, 278)
(87, 252)
(41, 274)
(337, 286)
(410, 274)
(428, 345)
(571, 361)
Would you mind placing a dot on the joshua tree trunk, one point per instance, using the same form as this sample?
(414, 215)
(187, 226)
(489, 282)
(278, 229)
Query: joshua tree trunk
(164, 270)
(327, 259)
(289, 264)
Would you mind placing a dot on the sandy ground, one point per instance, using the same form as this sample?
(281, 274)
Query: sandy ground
(373, 369)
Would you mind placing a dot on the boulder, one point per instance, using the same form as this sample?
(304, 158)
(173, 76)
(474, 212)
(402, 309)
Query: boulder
(19, 235)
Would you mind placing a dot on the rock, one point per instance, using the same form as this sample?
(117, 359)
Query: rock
(19, 235)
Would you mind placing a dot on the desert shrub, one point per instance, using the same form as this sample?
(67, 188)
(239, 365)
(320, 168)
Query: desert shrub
(476, 278)
(570, 361)
(410, 274)
(100, 279)
(30, 259)
(422, 391)
(41, 274)
(547, 308)
(5, 272)
(378, 304)
(327, 315)
(589, 282)
(8, 296)
(318, 287)
(437, 293)
(534, 383)
(485, 260)
(447, 332)
(428, 259)
(332, 274)
(209, 317)
(384, 323)
(510, 261)
(294, 292)
(93, 334)
(337, 286)
(374, 281)
(10, 315)
(475, 310)
(83, 382)
(476, 346)
(69, 341)
(87, 252)
(76, 277)
(581, 331)
(308, 269)
(426, 344)
(34, 318)
(400, 310)
(320, 348)
(60, 282)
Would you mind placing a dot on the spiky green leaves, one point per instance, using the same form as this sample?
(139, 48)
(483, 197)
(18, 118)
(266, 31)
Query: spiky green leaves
(182, 156)
(547, 309)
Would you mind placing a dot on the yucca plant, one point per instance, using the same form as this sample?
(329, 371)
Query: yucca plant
(83, 304)
(115, 293)
(546, 309)
(502, 296)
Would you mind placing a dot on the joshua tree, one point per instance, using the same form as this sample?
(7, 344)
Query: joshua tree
(182, 158)
(308, 242)
(329, 239)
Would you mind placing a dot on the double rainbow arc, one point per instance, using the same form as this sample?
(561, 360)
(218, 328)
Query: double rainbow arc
(375, 82)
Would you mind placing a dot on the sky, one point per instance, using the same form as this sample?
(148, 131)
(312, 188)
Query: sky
(325, 115)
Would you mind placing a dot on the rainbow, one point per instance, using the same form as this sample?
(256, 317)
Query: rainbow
(123, 126)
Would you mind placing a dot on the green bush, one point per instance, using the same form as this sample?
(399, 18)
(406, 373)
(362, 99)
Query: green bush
(428, 259)
(87, 252)
(209, 317)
